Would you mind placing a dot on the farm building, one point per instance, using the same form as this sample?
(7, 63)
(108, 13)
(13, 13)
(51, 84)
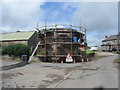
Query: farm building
(51, 43)
(29, 38)
(111, 43)
(56, 43)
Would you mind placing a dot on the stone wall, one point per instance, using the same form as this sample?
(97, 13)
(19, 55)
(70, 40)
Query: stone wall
(4, 43)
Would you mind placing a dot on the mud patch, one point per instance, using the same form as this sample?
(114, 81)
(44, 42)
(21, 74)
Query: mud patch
(71, 69)
(57, 68)
(8, 75)
(42, 86)
(47, 66)
(116, 65)
(79, 75)
(90, 68)
(54, 79)
(82, 67)
(53, 67)
(20, 73)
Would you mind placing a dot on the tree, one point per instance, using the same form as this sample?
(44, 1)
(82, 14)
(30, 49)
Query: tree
(16, 50)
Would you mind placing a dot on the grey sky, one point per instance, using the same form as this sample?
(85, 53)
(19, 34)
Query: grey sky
(101, 18)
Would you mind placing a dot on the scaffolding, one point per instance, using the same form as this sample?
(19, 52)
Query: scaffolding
(58, 40)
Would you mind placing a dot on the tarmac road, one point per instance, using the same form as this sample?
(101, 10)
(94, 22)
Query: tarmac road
(93, 74)
(105, 75)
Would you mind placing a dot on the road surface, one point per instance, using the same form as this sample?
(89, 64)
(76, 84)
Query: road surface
(93, 74)
(106, 75)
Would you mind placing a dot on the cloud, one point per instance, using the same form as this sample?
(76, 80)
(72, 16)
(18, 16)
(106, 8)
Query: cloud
(101, 18)
(97, 15)
(20, 15)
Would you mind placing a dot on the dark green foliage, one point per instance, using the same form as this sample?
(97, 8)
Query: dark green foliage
(117, 60)
(16, 50)
(114, 49)
(103, 50)
(0, 50)
(4, 50)
(118, 52)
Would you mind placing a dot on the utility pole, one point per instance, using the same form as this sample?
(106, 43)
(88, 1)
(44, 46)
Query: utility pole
(118, 36)
(37, 27)
(85, 33)
(80, 24)
(85, 36)
(45, 23)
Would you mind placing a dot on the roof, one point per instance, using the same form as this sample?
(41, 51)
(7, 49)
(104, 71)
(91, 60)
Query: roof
(112, 37)
(16, 36)
(63, 29)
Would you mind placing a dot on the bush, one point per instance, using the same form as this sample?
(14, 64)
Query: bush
(114, 49)
(90, 53)
(15, 50)
(118, 52)
(103, 50)
(0, 50)
(117, 60)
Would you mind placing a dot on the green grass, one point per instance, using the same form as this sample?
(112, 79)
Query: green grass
(117, 60)
(118, 52)
(89, 52)
(0, 49)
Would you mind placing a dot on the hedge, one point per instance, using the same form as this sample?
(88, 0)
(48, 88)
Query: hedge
(15, 50)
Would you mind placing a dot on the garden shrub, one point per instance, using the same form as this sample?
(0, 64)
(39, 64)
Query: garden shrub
(16, 50)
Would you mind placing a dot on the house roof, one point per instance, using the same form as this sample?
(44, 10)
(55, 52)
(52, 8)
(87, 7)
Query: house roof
(112, 37)
(16, 36)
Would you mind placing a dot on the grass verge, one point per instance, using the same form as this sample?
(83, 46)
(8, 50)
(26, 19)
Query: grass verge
(117, 60)
(89, 52)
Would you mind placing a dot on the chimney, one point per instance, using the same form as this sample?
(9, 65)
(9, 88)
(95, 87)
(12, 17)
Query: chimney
(106, 37)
